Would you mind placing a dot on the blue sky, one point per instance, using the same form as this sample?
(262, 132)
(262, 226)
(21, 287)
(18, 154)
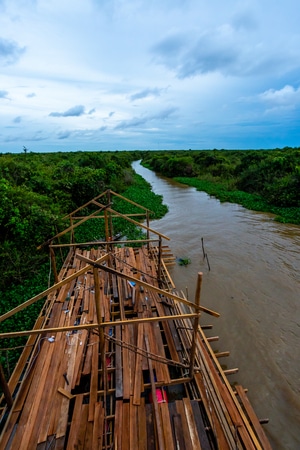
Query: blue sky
(149, 74)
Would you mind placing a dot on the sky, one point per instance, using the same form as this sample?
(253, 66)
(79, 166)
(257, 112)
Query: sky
(149, 74)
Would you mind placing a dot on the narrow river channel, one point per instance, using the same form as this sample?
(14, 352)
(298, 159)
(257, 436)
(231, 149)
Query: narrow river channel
(254, 283)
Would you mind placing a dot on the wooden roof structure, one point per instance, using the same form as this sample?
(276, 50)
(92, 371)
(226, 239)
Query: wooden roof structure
(117, 359)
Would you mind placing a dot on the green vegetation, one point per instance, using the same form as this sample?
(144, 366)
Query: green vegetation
(36, 191)
(261, 180)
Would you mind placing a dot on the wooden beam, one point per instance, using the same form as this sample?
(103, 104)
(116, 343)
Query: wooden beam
(87, 326)
(84, 244)
(222, 354)
(196, 324)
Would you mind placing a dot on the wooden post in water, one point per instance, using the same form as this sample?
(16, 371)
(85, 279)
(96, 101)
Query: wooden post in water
(5, 388)
(196, 324)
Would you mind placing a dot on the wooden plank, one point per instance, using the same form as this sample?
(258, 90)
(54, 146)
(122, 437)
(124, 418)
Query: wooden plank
(81, 430)
(15, 377)
(191, 424)
(48, 417)
(166, 424)
(132, 356)
(138, 367)
(150, 427)
(118, 363)
(125, 364)
(119, 425)
(205, 445)
(29, 429)
(88, 439)
(126, 426)
(94, 378)
(185, 428)
(176, 426)
(75, 423)
(253, 418)
(97, 434)
(133, 426)
(142, 428)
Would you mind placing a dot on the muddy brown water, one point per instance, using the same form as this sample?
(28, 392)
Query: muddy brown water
(254, 283)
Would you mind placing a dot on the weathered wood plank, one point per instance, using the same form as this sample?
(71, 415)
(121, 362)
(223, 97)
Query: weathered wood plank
(253, 418)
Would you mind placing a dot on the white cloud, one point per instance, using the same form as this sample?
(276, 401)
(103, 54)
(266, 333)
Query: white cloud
(117, 72)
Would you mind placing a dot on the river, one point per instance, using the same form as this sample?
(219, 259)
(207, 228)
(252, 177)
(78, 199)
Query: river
(253, 282)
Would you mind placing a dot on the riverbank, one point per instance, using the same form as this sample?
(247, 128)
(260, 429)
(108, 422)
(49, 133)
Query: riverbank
(250, 201)
(260, 180)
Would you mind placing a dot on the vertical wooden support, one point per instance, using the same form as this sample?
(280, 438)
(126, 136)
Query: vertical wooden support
(148, 224)
(5, 388)
(99, 319)
(159, 260)
(111, 232)
(72, 238)
(106, 230)
(53, 263)
(196, 324)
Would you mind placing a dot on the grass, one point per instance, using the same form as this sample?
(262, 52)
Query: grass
(249, 201)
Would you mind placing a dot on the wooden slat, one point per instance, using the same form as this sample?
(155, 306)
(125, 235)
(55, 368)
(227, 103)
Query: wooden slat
(185, 428)
(142, 428)
(176, 427)
(253, 418)
(133, 425)
(94, 378)
(97, 438)
(191, 424)
(75, 423)
(205, 445)
(138, 367)
(167, 428)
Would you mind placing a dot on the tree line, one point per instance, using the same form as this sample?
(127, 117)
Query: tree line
(265, 180)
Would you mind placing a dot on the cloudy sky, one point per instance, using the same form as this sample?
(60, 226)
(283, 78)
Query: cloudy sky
(149, 74)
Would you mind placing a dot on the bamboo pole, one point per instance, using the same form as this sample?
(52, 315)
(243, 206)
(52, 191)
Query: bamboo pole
(84, 244)
(196, 324)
